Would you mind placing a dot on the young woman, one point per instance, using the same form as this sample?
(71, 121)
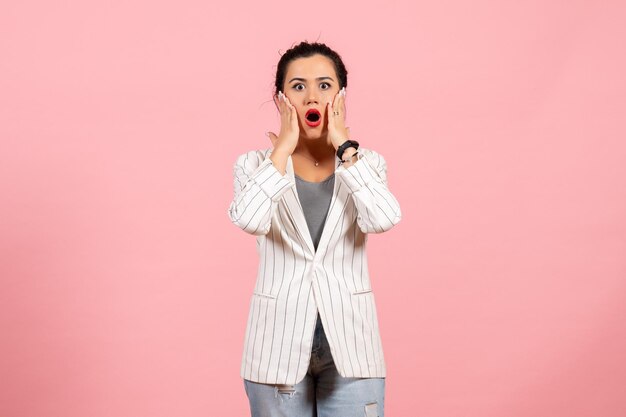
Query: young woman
(312, 343)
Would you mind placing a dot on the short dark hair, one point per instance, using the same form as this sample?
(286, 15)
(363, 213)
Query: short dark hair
(305, 50)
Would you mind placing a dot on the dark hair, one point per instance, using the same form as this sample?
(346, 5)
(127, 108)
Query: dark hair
(305, 50)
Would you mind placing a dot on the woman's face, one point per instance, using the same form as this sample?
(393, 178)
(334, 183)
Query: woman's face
(309, 84)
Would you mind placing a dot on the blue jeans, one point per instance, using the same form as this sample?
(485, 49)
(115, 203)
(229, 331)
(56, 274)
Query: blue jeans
(322, 392)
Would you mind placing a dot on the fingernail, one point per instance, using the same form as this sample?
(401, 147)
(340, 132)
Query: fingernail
(343, 91)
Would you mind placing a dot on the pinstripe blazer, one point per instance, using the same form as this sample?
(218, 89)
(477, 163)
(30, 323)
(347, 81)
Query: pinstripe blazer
(295, 281)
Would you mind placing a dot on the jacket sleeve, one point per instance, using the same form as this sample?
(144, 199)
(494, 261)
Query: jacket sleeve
(257, 188)
(377, 208)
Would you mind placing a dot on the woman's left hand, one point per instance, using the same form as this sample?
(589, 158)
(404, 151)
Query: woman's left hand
(338, 133)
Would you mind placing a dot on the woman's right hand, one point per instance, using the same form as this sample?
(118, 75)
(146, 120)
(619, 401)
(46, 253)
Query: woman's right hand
(287, 139)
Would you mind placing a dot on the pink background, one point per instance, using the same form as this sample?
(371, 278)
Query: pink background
(124, 286)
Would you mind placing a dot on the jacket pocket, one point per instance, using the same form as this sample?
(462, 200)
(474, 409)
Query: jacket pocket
(259, 294)
(362, 292)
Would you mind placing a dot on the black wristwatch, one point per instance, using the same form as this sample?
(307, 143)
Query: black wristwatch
(347, 144)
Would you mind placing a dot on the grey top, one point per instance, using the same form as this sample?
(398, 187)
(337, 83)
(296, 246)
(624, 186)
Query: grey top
(315, 198)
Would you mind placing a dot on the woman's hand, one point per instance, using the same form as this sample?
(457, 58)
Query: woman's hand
(287, 139)
(338, 133)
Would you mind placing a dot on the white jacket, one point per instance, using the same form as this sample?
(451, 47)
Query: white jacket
(294, 280)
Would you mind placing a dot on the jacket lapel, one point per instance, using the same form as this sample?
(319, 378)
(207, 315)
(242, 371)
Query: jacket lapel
(335, 213)
(294, 209)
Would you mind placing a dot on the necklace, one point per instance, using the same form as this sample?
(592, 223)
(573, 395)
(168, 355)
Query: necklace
(316, 163)
(310, 159)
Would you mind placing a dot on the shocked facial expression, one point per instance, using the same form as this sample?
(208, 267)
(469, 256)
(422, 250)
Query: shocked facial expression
(309, 84)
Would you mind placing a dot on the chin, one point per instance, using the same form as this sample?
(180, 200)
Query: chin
(316, 132)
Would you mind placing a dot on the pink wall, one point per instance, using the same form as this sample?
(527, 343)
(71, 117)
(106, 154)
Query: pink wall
(124, 287)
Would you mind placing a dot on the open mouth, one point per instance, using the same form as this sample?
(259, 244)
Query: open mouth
(313, 117)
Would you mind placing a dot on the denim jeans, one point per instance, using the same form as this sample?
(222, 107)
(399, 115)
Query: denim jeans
(322, 392)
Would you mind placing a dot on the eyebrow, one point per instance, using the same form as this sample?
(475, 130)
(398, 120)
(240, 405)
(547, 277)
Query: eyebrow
(318, 79)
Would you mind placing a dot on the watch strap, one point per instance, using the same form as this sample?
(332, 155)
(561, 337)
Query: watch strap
(347, 144)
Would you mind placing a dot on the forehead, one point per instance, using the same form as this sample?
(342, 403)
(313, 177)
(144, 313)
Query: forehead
(311, 67)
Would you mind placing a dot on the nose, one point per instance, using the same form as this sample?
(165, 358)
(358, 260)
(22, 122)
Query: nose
(312, 96)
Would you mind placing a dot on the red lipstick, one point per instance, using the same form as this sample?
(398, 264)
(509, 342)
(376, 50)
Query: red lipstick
(313, 117)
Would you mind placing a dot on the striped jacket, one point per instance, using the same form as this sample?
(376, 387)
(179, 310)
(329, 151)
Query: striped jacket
(294, 280)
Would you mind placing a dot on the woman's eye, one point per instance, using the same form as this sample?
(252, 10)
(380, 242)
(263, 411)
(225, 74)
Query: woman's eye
(299, 87)
(325, 86)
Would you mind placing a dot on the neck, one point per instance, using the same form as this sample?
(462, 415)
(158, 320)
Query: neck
(318, 149)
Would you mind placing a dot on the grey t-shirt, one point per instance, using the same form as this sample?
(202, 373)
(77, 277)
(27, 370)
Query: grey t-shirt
(315, 198)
